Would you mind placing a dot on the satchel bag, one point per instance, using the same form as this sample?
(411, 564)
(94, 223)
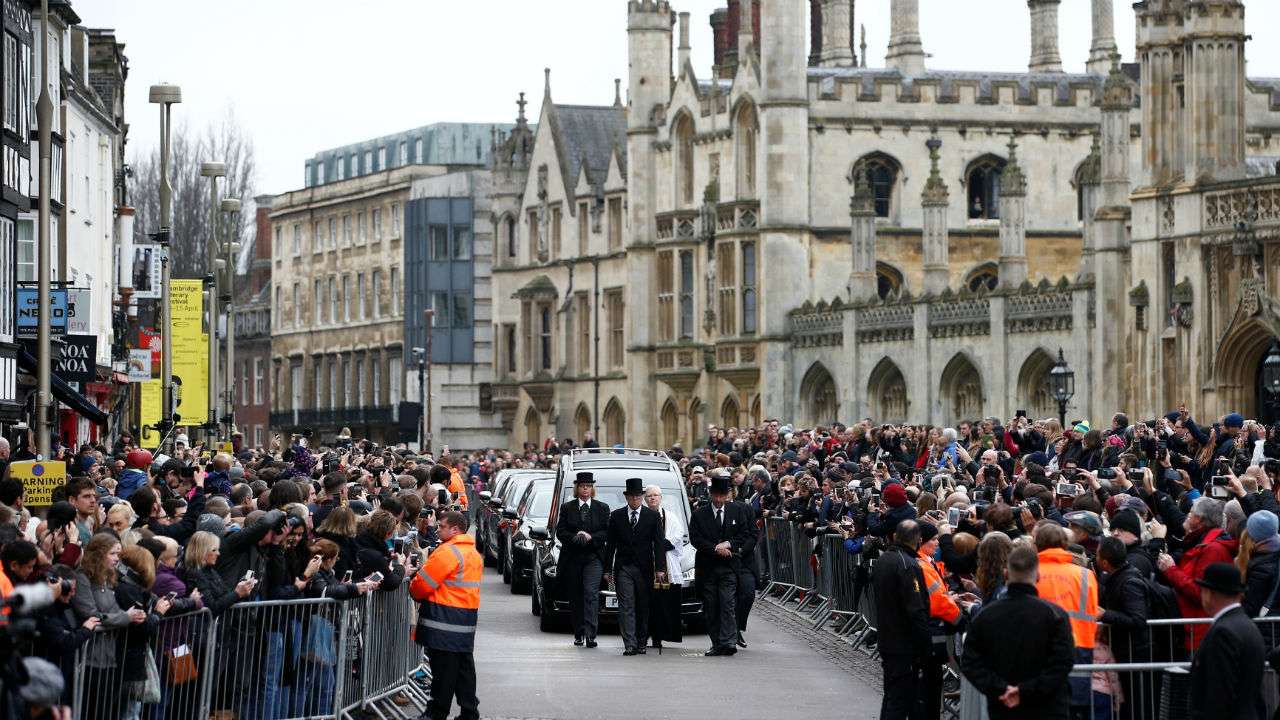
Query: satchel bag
(319, 644)
(147, 691)
(181, 665)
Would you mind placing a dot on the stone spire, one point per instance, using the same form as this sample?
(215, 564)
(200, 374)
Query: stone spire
(1013, 221)
(546, 84)
(1103, 48)
(906, 51)
(837, 43)
(1044, 36)
(862, 237)
(617, 92)
(935, 243)
(862, 47)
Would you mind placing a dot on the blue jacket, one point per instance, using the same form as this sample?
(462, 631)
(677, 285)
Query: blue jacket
(130, 480)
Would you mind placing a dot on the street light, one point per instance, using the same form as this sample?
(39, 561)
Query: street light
(421, 354)
(165, 96)
(231, 206)
(44, 347)
(1271, 379)
(1062, 386)
(213, 171)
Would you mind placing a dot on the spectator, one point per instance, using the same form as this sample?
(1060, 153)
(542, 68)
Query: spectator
(1258, 559)
(1023, 674)
(340, 528)
(1073, 588)
(1125, 604)
(63, 633)
(134, 592)
(1226, 670)
(200, 559)
(373, 551)
(96, 597)
(903, 622)
(1204, 544)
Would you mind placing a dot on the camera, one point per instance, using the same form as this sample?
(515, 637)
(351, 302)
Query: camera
(1066, 489)
(1221, 480)
(1107, 473)
(1135, 475)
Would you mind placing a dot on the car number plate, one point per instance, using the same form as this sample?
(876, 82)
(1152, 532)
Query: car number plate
(611, 601)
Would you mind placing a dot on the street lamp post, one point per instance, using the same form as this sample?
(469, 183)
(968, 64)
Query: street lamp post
(165, 96)
(213, 171)
(1271, 380)
(428, 315)
(231, 206)
(44, 122)
(1062, 386)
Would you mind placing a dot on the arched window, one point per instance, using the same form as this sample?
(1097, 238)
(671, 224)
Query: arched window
(670, 422)
(888, 280)
(533, 428)
(729, 413)
(746, 132)
(581, 422)
(961, 391)
(818, 396)
(887, 393)
(1033, 385)
(615, 425)
(987, 274)
(695, 422)
(882, 173)
(982, 181)
(682, 142)
(509, 228)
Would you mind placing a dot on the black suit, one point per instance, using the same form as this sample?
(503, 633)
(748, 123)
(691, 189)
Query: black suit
(580, 567)
(1226, 672)
(717, 576)
(630, 553)
(749, 573)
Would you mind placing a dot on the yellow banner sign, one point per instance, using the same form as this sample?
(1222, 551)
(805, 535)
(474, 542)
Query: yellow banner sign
(190, 349)
(149, 405)
(39, 478)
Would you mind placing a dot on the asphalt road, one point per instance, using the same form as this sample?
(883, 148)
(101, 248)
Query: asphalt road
(525, 673)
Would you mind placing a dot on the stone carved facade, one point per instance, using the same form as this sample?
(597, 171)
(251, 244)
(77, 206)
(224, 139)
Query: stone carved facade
(921, 298)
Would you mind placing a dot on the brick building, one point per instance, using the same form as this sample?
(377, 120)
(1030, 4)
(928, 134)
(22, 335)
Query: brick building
(252, 391)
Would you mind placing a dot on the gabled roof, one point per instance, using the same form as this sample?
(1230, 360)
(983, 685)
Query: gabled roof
(587, 136)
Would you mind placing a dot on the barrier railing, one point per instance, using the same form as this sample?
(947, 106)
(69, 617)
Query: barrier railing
(283, 660)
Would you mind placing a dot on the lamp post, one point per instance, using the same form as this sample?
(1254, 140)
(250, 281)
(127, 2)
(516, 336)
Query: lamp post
(1271, 380)
(421, 354)
(44, 122)
(165, 96)
(1062, 386)
(231, 206)
(213, 171)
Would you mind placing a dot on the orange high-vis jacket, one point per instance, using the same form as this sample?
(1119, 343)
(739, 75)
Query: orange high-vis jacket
(457, 486)
(1072, 588)
(448, 588)
(941, 606)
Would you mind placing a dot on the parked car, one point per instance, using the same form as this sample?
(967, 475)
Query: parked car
(499, 526)
(611, 468)
(533, 510)
(490, 512)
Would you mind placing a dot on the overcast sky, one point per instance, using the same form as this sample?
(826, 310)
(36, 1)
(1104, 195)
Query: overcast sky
(307, 75)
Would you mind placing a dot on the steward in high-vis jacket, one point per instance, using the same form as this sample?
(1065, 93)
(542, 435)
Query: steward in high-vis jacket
(448, 591)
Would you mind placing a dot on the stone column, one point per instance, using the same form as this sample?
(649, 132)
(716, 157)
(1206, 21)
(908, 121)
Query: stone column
(1214, 68)
(1013, 221)
(1044, 36)
(1091, 194)
(837, 42)
(1103, 48)
(906, 52)
(862, 238)
(746, 28)
(1111, 341)
(934, 240)
(682, 52)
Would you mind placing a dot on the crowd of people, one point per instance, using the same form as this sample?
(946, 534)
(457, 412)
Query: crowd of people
(112, 580)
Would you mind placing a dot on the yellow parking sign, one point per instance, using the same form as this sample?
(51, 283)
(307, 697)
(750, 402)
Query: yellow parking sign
(39, 477)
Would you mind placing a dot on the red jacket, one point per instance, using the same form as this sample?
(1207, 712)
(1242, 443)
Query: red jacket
(1212, 548)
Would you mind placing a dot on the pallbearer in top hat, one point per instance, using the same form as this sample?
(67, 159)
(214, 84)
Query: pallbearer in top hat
(719, 532)
(581, 530)
(634, 556)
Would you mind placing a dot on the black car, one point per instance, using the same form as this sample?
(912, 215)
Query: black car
(611, 468)
(499, 531)
(533, 510)
(489, 515)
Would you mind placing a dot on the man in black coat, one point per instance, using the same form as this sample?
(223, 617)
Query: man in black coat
(748, 576)
(719, 531)
(903, 631)
(1125, 603)
(1023, 673)
(634, 555)
(582, 531)
(1226, 671)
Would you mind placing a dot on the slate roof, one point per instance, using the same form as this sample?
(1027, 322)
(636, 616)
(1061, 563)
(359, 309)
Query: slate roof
(588, 133)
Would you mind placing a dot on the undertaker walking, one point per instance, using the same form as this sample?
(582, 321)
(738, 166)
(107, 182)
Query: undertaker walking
(581, 532)
(719, 532)
(632, 554)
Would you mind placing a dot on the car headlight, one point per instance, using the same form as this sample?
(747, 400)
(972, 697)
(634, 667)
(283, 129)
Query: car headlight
(524, 544)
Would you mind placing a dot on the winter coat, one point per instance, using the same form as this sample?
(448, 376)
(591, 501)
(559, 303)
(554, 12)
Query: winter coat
(215, 593)
(1125, 602)
(325, 584)
(883, 524)
(62, 633)
(373, 555)
(347, 551)
(241, 553)
(1260, 583)
(1210, 548)
(100, 601)
(902, 600)
(130, 481)
(129, 593)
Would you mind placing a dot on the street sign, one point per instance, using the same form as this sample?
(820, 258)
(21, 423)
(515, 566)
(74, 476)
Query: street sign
(79, 311)
(39, 479)
(28, 316)
(79, 359)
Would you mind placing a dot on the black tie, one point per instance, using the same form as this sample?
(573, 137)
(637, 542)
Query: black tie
(586, 513)
(634, 517)
(720, 517)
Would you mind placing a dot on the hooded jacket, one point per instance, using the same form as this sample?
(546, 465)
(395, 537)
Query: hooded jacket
(130, 480)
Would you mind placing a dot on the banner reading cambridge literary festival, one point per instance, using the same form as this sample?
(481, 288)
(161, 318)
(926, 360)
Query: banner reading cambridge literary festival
(190, 363)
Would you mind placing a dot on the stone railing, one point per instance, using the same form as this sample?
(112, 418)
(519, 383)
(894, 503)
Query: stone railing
(1041, 308)
(1258, 204)
(678, 225)
(730, 355)
(820, 325)
(958, 316)
(886, 323)
(737, 216)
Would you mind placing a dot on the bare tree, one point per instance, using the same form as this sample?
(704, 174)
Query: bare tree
(225, 141)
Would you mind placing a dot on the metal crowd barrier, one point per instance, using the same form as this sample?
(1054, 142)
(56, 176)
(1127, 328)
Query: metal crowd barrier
(780, 562)
(387, 660)
(277, 660)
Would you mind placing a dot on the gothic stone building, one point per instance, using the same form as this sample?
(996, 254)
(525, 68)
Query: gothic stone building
(800, 236)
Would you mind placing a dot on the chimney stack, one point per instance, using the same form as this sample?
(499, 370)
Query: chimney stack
(1044, 36)
(683, 50)
(719, 41)
(837, 40)
(1103, 48)
(906, 52)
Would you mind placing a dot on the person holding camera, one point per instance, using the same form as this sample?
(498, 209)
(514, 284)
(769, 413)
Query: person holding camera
(1203, 544)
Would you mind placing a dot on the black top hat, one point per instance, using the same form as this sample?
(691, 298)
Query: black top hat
(719, 483)
(1223, 578)
(584, 478)
(635, 486)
